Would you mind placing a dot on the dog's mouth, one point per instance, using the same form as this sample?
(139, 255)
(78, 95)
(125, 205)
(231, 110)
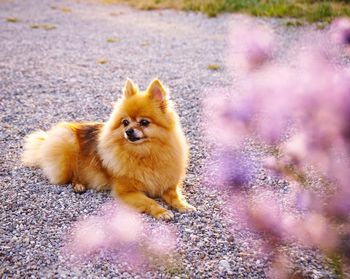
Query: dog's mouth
(133, 138)
(136, 140)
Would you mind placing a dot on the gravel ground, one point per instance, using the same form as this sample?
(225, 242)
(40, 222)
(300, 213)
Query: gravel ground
(51, 74)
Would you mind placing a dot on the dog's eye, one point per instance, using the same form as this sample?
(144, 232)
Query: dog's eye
(125, 122)
(144, 123)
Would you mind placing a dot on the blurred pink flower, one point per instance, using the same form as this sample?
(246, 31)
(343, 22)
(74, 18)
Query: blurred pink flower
(235, 170)
(296, 147)
(302, 110)
(303, 199)
(272, 89)
(339, 205)
(161, 240)
(225, 118)
(125, 225)
(119, 230)
(251, 45)
(319, 232)
(279, 269)
(341, 31)
(264, 215)
(89, 236)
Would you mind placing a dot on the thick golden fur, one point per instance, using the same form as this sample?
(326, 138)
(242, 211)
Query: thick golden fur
(101, 156)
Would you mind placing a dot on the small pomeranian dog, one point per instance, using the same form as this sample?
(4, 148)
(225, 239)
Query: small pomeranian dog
(139, 153)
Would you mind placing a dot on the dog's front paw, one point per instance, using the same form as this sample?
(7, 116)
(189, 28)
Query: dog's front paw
(186, 208)
(165, 215)
(79, 188)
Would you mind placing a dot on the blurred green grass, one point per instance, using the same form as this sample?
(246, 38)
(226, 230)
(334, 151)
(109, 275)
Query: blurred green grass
(309, 10)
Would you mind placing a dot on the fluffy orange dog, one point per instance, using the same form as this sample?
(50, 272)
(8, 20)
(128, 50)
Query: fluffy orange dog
(140, 152)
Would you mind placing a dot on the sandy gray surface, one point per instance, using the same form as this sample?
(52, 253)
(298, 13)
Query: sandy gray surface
(51, 75)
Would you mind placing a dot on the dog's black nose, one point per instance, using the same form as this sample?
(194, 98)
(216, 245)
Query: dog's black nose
(130, 132)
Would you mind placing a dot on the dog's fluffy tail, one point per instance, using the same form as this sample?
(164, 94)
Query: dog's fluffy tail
(32, 145)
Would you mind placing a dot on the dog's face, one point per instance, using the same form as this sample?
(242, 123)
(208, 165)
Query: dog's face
(135, 129)
(142, 119)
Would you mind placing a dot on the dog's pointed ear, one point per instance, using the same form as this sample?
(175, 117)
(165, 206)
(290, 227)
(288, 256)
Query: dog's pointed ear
(130, 88)
(157, 91)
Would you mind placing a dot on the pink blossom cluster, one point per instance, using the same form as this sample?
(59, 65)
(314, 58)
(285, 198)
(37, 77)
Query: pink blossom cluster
(299, 109)
(118, 231)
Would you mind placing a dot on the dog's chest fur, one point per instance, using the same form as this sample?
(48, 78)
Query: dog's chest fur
(154, 176)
